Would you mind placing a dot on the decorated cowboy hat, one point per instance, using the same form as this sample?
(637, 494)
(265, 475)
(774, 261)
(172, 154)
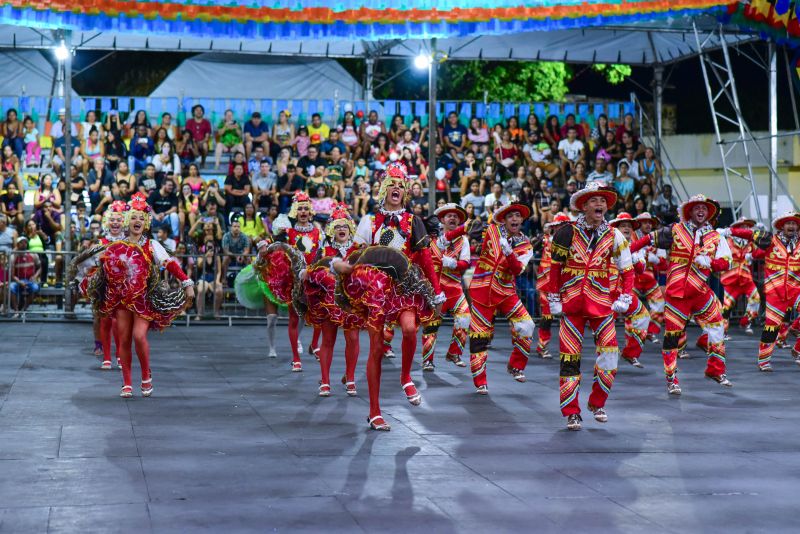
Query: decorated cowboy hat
(778, 222)
(451, 207)
(646, 216)
(502, 212)
(560, 218)
(711, 204)
(743, 221)
(624, 217)
(592, 189)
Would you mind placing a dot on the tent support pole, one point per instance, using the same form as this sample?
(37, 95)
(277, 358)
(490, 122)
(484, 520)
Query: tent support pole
(369, 81)
(67, 36)
(432, 128)
(658, 103)
(772, 52)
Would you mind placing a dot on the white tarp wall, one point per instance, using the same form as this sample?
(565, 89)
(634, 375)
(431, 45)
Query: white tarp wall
(26, 72)
(246, 76)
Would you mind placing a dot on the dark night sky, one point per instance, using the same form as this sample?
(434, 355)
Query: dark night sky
(132, 73)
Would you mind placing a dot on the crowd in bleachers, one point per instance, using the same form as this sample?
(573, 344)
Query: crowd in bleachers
(215, 188)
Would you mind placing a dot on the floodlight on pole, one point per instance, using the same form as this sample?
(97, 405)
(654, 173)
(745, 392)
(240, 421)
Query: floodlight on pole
(61, 52)
(423, 61)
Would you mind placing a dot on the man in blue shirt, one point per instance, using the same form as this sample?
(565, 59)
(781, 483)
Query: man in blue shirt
(332, 141)
(142, 150)
(256, 132)
(455, 136)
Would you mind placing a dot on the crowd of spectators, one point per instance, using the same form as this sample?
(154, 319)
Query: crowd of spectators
(217, 212)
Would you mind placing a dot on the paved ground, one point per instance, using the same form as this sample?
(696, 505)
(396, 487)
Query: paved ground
(233, 442)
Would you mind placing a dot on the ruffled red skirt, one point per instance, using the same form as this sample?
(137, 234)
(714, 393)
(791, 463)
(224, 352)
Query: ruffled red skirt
(377, 298)
(320, 287)
(275, 270)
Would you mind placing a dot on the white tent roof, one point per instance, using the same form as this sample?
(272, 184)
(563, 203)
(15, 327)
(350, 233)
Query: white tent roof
(642, 44)
(26, 72)
(249, 76)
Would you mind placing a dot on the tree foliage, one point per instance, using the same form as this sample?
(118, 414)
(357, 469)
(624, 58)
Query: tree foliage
(516, 81)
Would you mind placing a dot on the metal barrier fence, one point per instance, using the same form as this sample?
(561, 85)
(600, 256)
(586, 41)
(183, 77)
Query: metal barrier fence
(51, 298)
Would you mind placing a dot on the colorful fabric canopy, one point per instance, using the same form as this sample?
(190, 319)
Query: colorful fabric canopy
(776, 19)
(347, 19)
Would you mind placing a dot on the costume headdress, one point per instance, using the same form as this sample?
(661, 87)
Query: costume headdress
(624, 217)
(138, 203)
(118, 206)
(778, 223)
(395, 171)
(743, 221)
(300, 198)
(340, 214)
(451, 208)
(593, 189)
(711, 204)
(559, 219)
(646, 216)
(499, 215)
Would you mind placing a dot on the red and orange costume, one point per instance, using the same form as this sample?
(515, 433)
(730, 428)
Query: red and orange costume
(493, 290)
(542, 279)
(450, 260)
(580, 289)
(738, 281)
(781, 254)
(646, 283)
(694, 252)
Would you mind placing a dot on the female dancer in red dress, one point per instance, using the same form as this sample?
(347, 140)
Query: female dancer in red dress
(127, 285)
(320, 307)
(392, 281)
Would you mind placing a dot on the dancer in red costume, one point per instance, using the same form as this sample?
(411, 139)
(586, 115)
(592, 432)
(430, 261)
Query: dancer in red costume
(305, 237)
(321, 310)
(580, 290)
(127, 285)
(450, 259)
(781, 253)
(646, 284)
(542, 279)
(738, 282)
(114, 230)
(505, 252)
(393, 280)
(695, 250)
(636, 317)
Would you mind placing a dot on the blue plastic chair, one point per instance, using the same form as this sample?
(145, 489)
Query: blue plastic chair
(524, 111)
(480, 110)
(405, 108)
(390, 108)
(328, 108)
(509, 110)
(538, 110)
(569, 109)
(599, 109)
(420, 108)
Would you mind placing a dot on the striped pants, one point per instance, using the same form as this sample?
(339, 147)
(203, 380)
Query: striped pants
(776, 310)
(481, 328)
(456, 305)
(732, 293)
(708, 314)
(636, 322)
(605, 367)
(545, 323)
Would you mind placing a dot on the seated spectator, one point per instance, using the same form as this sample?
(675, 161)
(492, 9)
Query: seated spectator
(167, 162)
(98, 178)
(552, 133)
(628, 125)
(489, 174)
(600, 172)
(339, 170)
(474, 198)
(601, 128)
(317, 127)
(168, 127)
(79, 195)
(407, 141)
(419, 134)
(251, 223)
(121, 191)
(124, 175)
(417, 197)
(237, 189)
(478, 136)
(517, 134)
(12, 133)
(112, 124)
(209, 270)
(570, 151)
(665, 205)
(330, 143)
(468, 170)
(288, 185)
(164, 202)
(207, 228)
(624, 184)
(396, 129)
(579, 177)
(186, 149)
(47, 193)
(150, 180)
(610, 147)
(142, 150)
(370, 129)
(188, 208)
(58, 154)
(302, 142)
(454, 136)
(496, 198)
(308, 164)
(360, 197)
(213, 212)
(159, 139)
(115, 151)
(135, 120)
(10, 168)
(534, 126)
(162, 236)
(537, 153)
(256, 157)
(213, 195)
(8, 237)
(543, 198)
(235, 247)
(200, 128)
(505, 153)
(26, 270)
(630, 142)
(238, 159)
(230, 138)
(646, 194)
(265, 186)
(650, 167)
(57, 129)
(569, 122)
(256, 133)
(91, 122)
(12, 205)
(513, 186)
(193, 179)
(323, 205)
(33, 152)
(633, 165)
(349, 135)
(282, 134)
(415, 164)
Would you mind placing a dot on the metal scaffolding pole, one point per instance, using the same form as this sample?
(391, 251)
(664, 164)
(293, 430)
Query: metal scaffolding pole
(67, 37)
(658, 103)
(370, 81)
(432, 128)
(773, 120)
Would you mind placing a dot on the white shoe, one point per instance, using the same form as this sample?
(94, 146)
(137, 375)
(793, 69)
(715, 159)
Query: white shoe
(600, 415)
(272, 353)
(748, 330)
(673, 389)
